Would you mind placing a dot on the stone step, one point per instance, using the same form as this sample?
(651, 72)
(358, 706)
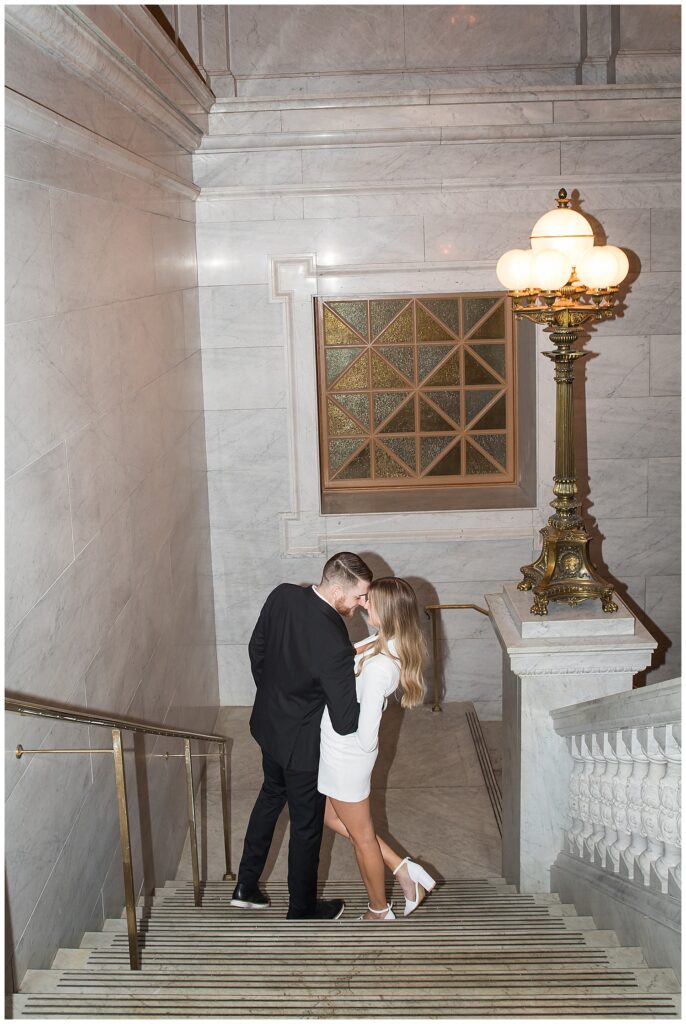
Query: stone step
(601, 937)
(94, 940)
(423, 1004)
(474, 981)
(66, 959)
(626, 956)
(476, 949)
(562, 910)
(579, 924)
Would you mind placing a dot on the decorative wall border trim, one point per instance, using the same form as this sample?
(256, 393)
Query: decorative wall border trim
(438, 97)
(305, 531)
(66, 34)
(36, 121)
(560, 131)
(212, 193)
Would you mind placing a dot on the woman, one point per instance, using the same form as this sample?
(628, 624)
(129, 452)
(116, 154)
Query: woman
(391, 658)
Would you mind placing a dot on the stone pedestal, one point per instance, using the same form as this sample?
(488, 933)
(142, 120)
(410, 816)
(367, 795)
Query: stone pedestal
(570, 655)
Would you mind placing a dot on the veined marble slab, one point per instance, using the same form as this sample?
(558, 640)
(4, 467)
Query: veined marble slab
(587, 619)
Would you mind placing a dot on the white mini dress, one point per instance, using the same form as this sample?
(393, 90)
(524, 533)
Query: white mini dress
(346, 762)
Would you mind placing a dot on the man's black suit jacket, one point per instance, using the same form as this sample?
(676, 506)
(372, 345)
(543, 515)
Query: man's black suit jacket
(301, 659)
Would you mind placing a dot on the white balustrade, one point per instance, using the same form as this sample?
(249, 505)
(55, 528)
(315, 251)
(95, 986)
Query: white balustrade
(625, 793)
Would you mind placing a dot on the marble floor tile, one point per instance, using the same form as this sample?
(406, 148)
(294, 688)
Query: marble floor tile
(428, 799)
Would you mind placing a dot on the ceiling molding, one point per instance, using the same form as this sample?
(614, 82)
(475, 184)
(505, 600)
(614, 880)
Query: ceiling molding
(67, 35)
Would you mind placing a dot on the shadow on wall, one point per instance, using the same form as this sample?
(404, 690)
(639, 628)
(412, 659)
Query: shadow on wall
(582, 468)
(11, 985)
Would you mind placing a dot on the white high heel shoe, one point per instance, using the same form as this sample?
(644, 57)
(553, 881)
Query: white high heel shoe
(388, 915)
(423, 883)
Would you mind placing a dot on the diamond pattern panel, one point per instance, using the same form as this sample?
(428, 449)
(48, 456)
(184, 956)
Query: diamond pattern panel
(403, 422)
(494, 418)
(337, 360)
(450, 464)
(338, 333)
(475, 372)
(354, 313)
(402, 357)
(358, 405)
(429, 329)
(494, 444)
(448, 401)
(478, 464)
(385, 467)
(341, 449)
(383, 311)
(473, 309)
(494, 355)
(360, 467)
(387, 402)
(401, 330)
(475, 402)
(404, 448)
(494, 327)
(447, 310)
(356, 378)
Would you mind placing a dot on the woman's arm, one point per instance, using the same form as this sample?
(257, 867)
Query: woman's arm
(376, 677)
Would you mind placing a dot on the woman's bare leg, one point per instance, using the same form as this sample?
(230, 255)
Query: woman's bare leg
(357, 820)
(390, 858)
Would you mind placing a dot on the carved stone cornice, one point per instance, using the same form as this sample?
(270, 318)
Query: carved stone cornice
(148, 29)
(66, 34)
(36, 121)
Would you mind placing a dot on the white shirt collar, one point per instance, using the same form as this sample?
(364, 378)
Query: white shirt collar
(322, 598)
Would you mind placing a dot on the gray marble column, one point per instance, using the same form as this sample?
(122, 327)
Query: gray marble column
(568, 656)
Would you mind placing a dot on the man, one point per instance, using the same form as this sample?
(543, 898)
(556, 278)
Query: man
(302, 660)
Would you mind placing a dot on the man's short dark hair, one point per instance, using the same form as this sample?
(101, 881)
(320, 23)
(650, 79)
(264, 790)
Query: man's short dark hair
(346, 569)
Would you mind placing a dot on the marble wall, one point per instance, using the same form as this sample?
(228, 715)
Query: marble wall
(109, 595)
(297, 50)
(421, 192)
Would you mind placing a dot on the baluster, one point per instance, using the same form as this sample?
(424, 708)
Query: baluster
(594, 783)
(606, 800)
(619, 799)
(585, 794)
(634, 805)
(650, 800)
(668, 820)
(574, 746)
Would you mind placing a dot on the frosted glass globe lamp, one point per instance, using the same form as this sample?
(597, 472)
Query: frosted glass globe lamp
(563, 282)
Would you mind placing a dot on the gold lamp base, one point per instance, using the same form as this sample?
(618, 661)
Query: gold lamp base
(564, 572)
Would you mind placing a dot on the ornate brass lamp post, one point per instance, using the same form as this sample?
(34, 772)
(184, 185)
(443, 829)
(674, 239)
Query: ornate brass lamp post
(563, 282)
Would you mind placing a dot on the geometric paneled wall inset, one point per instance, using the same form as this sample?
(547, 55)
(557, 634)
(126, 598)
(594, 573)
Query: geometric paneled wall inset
(416, 391)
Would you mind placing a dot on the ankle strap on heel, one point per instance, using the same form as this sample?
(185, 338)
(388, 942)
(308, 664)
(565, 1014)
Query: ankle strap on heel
(405, 860)
(389, 906)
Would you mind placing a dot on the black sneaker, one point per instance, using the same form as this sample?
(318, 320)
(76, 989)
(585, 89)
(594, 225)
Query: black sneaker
(248, 899)
(325, 910)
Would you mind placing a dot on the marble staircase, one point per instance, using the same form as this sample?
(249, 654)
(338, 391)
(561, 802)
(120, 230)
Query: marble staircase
(475, 949)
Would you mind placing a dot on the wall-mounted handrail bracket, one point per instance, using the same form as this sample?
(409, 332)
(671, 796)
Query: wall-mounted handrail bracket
(431, 610)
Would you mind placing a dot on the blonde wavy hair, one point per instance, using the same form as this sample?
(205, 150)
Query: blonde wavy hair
(395, 606)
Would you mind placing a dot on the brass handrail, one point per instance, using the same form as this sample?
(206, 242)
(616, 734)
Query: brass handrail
(119, 724)
(431, 610)
(68, 714)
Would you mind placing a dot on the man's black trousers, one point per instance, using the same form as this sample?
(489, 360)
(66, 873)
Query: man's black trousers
(306, 810)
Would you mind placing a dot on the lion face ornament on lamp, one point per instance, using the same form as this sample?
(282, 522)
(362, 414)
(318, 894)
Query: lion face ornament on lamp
(563, 282)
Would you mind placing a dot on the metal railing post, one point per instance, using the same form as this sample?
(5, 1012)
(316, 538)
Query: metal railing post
(193, 834)
(228, 875)
(125, 840)
(437, 682)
